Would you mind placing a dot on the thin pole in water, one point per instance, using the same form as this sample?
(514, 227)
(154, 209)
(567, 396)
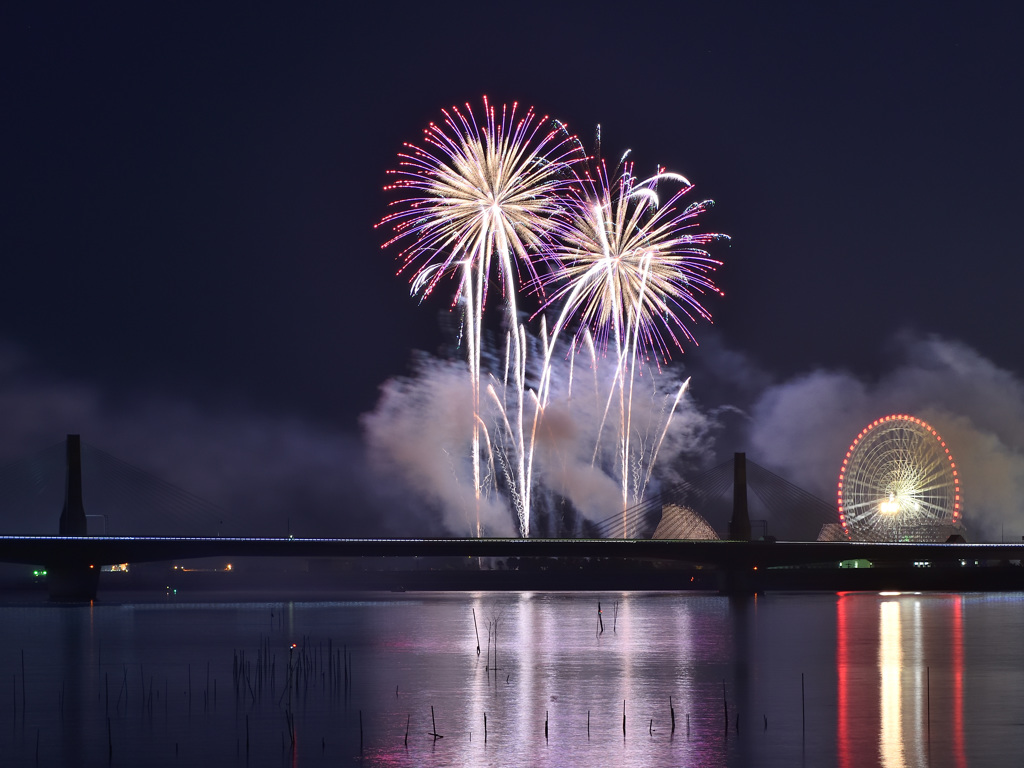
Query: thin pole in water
(433, 722)
(803, 708)
(477, 630)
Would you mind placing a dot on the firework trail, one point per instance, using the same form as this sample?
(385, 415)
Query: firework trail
(632, 274)
(472, 193)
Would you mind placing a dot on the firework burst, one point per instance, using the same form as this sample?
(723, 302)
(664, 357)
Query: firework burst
(475, 192)
(498, 201)
(632, 274)
(633, 268)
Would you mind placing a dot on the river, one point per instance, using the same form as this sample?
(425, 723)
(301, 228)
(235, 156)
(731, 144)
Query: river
(654, 679)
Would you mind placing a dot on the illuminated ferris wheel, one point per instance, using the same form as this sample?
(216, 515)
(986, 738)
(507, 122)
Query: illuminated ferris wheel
(898, 482)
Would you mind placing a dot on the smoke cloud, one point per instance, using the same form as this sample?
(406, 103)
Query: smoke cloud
(409, 474)
(271, 475)
(418, 436)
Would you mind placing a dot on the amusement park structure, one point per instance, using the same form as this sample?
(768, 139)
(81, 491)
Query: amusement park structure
(899, 482)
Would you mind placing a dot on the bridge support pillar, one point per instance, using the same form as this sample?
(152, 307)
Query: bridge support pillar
(72, 582)
(734, 581)
(739, 526)
(72, 517)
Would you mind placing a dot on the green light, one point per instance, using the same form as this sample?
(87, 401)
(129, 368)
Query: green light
(38, 573)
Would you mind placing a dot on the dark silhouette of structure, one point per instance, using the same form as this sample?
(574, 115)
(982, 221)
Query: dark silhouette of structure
(739, 526)
(73, 558)
(73, 578)
(72, 517)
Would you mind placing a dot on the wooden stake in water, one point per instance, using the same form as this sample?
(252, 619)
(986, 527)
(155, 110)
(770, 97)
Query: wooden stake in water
(600, 621)
(672, 714)
(928, 678)
(487, 661)
(725, 703)
(803, 709)
(477, 630)
(407, 730)
(485, 727)
(623, 718)
(545, 725)
(588, 725)
(433, 723)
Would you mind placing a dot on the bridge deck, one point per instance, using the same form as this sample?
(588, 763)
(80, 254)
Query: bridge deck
(106, 550)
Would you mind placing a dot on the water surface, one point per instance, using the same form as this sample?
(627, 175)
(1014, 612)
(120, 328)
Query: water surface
(777, 680)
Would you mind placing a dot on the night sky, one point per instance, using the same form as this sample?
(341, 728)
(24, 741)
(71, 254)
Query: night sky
(192, 278)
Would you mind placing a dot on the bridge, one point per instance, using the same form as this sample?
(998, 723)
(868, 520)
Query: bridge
(106, 550)
(74, 559)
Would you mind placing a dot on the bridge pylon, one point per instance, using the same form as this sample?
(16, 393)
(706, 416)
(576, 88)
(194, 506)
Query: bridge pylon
(738, 581)
(73, 580)
(739, 526)
(72, 517)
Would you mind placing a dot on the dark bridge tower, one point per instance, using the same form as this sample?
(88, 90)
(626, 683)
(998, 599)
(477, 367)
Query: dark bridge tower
(733, 580)
(739, 526)
(73, 579)
(72, 518)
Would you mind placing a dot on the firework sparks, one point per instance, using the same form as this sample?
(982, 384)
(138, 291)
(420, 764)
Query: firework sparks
(498, 200)
(633, 271)
(472, 192)
(476, 190)
(632, 266)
